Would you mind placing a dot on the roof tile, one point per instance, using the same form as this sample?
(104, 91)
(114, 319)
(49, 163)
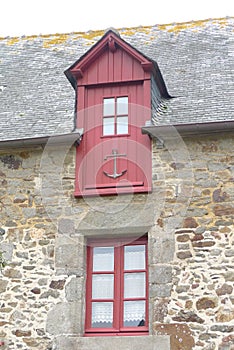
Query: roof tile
(195, 58)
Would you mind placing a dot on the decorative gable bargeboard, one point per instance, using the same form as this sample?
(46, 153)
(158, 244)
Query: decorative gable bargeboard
(113, 83)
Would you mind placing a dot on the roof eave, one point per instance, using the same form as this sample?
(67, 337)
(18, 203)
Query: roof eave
(61, 139)
(188, 130)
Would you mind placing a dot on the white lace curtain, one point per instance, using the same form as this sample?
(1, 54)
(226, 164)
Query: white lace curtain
(103, 259)
(103, 284)
(134, 310)
(134, 257)
(103, 312)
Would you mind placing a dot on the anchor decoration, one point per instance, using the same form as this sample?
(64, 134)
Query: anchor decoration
(115, 155)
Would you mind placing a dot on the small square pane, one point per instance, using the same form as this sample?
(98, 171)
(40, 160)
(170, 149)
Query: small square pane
(122, 125)
(103, 259)
(108, 106)
(103, 286)
(122, 105)
(134, 313)
(134, 285)
(134, 257)
(109, 126)
(102, 315)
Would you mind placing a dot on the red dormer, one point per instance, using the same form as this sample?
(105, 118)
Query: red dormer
(113, 83)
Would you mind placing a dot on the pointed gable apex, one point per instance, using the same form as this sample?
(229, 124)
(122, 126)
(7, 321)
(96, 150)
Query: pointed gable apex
(111, 42)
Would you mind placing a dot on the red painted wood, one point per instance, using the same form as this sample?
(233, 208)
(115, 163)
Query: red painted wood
(94, 147)
(88, 287)
(103, 46)
(117, 66)
(111, 334)
(112, 68)
(118, 327)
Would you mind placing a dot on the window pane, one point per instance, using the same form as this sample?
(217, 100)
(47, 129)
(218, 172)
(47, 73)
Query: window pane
(103, 259)
(103, 286)
(108, 126)
(102, 315)
(108, 106)
(134, 285)
(134, 257)
(134, 313)
(122, 105)
(122, 125)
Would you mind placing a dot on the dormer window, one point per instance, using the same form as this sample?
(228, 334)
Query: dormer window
(116, 87)
(115, 116)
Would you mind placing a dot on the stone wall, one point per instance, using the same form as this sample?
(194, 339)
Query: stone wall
(27, 285)
(189, 220)
(199, 311)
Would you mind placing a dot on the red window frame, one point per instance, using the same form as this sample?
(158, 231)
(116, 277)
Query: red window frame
(118, 299)
(115, 115)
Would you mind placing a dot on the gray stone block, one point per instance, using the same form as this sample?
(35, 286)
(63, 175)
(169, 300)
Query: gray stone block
(69, 260)
(69, 255)
(160, 290)
(65, 318)
(7, 249)
(3, 285)
(114, 343)
(162, 249)
(66, 226)
(160, 274)
(74, 289)
(124, 214)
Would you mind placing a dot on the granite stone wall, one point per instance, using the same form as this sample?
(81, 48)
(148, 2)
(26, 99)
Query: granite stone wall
(189, 220)
(199, 312)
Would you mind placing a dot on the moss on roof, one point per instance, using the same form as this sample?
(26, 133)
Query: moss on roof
(195, 59)
(56, 39)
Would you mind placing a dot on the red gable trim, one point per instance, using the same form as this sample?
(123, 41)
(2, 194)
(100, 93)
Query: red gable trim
(111, 40)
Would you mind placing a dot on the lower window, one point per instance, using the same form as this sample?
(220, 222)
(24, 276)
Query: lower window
(117, 287)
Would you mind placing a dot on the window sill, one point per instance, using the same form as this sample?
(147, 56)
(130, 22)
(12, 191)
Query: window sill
(113, 191)
(148, 342)
(116, 135)
(117, 334)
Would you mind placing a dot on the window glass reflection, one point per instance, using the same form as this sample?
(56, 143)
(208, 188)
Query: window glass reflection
(134, 257)
(122, 105)
(134, 285)
(108, 106)
(102, 286)
(122, 125)
(103, 259)
(108, 126)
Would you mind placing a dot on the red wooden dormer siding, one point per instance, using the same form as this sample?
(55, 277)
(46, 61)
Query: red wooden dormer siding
(113, 156)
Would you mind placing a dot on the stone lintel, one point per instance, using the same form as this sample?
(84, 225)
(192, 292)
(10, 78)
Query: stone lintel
(113, 232)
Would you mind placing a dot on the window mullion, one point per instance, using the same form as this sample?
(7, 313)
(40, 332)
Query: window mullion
(89, 287)
(147, 287)
(121, 252)
(117, 289)
(115, 116)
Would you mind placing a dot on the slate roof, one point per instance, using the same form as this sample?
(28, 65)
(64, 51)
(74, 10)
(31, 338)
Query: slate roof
(196, 60)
